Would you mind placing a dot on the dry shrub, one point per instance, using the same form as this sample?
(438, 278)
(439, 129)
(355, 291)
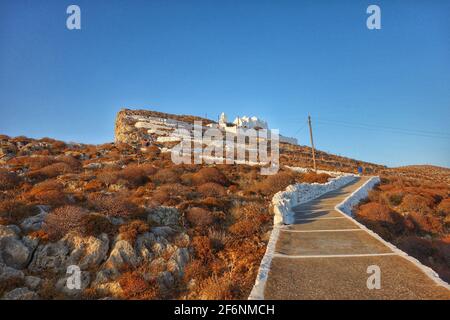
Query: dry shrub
(41, 235)
(109, 176)
(94, 185)
(417, 203)
(250, 217)
(113, 205)
(199, 217)
(212, 189)
(47, 192)
(217, 288)
(132, 229)
(202, 248)
(313, 177)
(34, 163)
(209, 174)
(96, 224)
(71, 161)
(164, 176)
(14, 211)
(426, 223)
(134, 286)
(50, 171)
(444, 208)
(196, 269)
(137, 175)
(64, 219)
(9, 180)
(274, 183)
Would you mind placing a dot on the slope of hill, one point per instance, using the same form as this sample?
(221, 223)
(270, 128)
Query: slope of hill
(141, 227)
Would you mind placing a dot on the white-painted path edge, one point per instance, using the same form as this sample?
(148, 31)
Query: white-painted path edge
(344, 208)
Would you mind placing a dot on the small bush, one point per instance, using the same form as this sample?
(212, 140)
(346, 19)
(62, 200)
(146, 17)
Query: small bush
(202, 248)
(209, 174)
(216, 288)
(96, 224)
(134, 286)
(199, 217)
(313, 177)
(132, 229)
(274, 183)
(113, 205)
(164, 176)
(212, 189)
(9, 180)
(64, 219)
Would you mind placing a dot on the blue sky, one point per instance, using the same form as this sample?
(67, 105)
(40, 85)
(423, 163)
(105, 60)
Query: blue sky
(380, 96)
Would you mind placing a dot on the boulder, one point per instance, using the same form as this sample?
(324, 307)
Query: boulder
(21, 294)
(32, 282)
(86, 252)
(8, 273)
(164, 216)
(13, 251)
(50, 257)
(35, 222)
(144, 244)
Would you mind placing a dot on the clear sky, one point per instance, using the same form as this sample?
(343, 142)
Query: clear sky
(375, 95)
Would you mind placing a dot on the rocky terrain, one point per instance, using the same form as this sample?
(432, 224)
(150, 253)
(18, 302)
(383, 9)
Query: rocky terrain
(140, 227)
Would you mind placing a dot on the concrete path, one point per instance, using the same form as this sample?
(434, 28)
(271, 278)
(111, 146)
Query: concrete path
(325, 255)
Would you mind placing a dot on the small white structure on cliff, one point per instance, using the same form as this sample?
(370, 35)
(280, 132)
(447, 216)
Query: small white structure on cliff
(248, 123)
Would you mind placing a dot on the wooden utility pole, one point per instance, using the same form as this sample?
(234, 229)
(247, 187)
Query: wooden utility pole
(312, 142)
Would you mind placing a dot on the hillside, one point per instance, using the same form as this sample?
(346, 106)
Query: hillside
(141, 227)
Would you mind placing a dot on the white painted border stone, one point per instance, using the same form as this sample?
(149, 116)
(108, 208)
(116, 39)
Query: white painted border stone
(283, 202)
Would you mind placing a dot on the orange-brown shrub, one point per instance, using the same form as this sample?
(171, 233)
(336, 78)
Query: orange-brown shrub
(114, 205)
(96, 224)
(47, 192)
(274, 183)
(217, 288)
(164, 176)
(209, 174)
(416, 203)
(134, 286)
(93, 185)
(312, 177)
(202, 248)
(444, 207)
(50, 171)
(137, 175)
(9, 180)
(64, 219)
(199, 217)
(129, 231)
(212, 189)
(14, 211)
(426, 223)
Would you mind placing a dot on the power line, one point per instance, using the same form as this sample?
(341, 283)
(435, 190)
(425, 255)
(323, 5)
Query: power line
(421, 133)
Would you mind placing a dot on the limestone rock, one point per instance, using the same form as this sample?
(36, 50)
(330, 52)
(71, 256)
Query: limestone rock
(35, 222)
(8, 273)
(32, 282)
(164, 216)
(13, 251)
(21, 294)
(50, 257)
(86, 252)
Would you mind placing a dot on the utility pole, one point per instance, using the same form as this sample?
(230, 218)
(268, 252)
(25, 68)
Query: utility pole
(312, 142)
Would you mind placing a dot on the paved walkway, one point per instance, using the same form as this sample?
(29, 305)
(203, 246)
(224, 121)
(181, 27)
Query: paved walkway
(324, 255)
